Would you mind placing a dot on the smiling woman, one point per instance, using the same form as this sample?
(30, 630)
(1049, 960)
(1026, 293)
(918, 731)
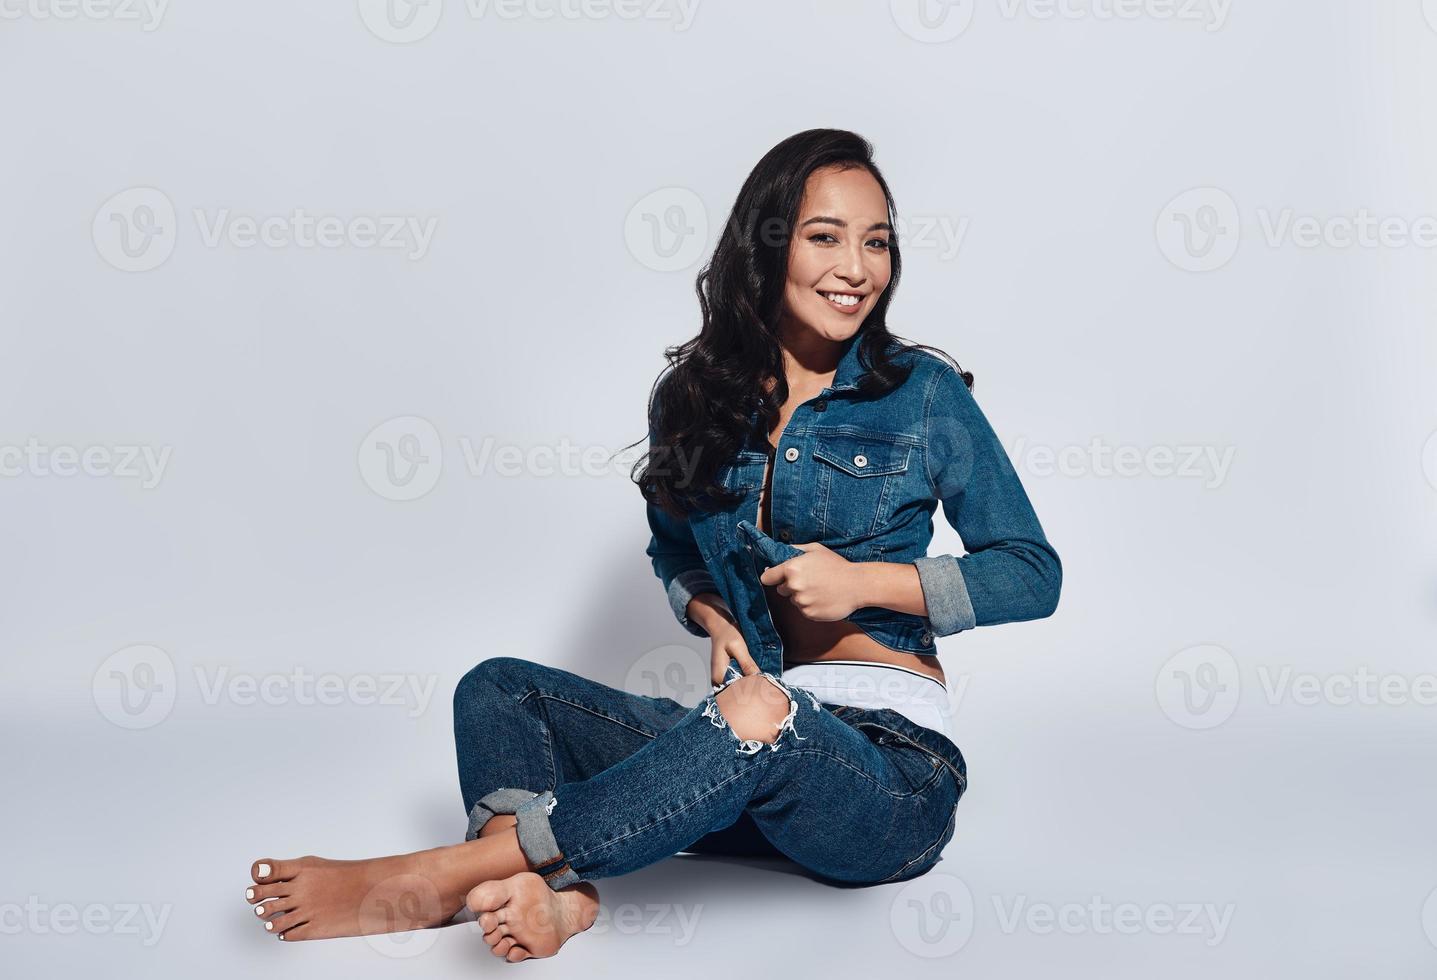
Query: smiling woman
(816, 448)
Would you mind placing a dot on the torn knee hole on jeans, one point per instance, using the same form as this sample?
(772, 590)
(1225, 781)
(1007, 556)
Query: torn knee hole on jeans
(750, 746)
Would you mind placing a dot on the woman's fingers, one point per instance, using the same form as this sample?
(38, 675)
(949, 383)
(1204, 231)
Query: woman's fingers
(723, 652)
(745, 662)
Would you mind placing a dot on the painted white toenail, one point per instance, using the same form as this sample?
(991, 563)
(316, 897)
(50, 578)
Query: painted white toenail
(249, 893)
(259, 910)
(269, 926)
(264, 871)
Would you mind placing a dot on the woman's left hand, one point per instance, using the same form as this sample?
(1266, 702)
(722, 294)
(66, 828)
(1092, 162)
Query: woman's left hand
(821, 584)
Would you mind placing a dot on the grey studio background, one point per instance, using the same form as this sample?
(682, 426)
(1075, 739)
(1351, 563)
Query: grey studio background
(319, 321)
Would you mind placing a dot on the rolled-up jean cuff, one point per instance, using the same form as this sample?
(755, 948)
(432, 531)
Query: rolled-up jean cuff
(499, 801)
(684, 587)
(536, 839)
(950, 610)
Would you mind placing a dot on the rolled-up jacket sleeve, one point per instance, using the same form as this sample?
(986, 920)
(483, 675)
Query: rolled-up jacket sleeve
(1010, 573)
(678, 565)
(675, 555)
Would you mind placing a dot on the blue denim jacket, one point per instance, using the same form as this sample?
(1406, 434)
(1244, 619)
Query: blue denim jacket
(863, 476)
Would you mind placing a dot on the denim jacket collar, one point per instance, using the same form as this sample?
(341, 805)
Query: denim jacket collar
(845, 377)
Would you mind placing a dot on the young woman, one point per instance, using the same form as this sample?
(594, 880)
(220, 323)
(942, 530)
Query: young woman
(797, 453)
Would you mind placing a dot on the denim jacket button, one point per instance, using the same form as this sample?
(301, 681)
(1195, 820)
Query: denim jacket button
(925, 638)
(860, 460)
(784, 534)
(791, 453)
(820, 405)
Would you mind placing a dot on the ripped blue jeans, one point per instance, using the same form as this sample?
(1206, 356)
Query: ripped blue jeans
(603, 782)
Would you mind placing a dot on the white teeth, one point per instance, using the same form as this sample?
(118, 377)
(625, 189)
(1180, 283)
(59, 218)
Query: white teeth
(842, 299)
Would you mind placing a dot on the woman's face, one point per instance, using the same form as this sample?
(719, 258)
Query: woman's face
(839, 249)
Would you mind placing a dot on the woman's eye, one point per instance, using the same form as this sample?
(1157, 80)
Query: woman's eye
(821, 234)
(880, 242)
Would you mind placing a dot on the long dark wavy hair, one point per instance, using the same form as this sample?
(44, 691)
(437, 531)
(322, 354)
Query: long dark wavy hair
(700, 403)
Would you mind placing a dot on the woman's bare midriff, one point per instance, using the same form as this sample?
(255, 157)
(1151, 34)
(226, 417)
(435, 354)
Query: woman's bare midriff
(808, 641)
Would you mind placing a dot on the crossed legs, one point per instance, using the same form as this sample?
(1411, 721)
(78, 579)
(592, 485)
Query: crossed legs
(519, 912)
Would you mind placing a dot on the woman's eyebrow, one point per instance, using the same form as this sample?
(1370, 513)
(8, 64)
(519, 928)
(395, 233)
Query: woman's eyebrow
(885, 226)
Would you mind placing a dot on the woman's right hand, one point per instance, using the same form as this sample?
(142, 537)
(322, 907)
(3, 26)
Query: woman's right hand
(710, 611)
(728, 645)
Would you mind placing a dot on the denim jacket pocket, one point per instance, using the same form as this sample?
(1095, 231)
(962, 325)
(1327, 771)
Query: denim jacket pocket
(858, 481)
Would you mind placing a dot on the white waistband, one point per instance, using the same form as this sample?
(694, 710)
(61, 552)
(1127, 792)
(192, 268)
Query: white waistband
(917, 697)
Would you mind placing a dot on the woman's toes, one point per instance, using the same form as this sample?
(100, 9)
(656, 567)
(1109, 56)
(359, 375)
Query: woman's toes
(259, 893)
(503, 946)
(297, 934)
(516, 954)
(281, 924)
(271, 908)
(265, 870)
(488, 896)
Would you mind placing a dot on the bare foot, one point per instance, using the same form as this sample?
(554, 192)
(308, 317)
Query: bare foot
(523, 917)
(316, 898)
